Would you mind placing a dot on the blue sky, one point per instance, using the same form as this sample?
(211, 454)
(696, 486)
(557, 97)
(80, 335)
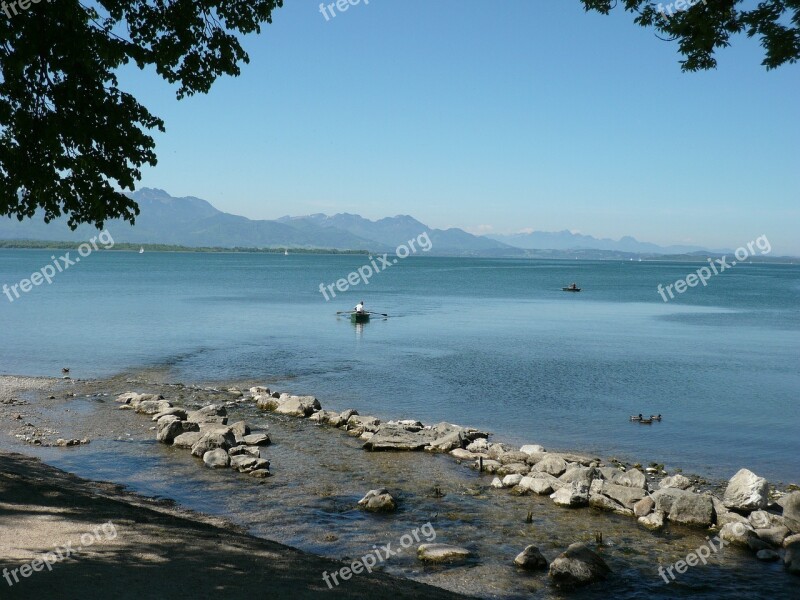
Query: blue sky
(491, 117)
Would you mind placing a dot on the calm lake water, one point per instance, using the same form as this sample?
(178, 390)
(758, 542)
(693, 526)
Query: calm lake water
(490, 343)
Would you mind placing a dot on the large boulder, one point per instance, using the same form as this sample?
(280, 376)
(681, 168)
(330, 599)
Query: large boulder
(298, 406)
(606, 503)
(257, 439)
(170, 427)
(437, 553)
(741, 534)
(174, 411)
(218, 438)
(572, 496)
(585, 475)
(152, 407)
(774, 536)
(392, 436)
(675, 481)
(513, 468)
(216, 459)
(378, 500)
(632, 478)
(541, 483)
(552, 465)
(187, 440)
(358, 424)
(746, 492)
(625, 495)
(791, 511)
(578, 566)
(531, 559)
(692, 509)
(212, 413)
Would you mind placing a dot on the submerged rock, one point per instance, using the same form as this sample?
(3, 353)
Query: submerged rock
(654, 521)
(578, 566)
(442, 553)
(531, 559)
(746, 492)
(378, 500)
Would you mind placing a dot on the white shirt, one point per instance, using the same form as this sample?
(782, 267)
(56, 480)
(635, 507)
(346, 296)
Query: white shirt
(359, 307)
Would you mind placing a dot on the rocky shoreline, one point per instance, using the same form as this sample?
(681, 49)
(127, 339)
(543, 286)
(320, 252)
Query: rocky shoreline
(749, 513)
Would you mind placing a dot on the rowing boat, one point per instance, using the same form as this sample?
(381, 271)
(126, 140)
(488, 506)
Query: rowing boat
(356, 317)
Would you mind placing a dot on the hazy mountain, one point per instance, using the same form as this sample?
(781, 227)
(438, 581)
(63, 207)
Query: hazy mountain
(566, 240)
(195, 222)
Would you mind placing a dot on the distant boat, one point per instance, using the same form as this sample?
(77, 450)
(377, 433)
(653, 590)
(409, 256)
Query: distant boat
(571, 288)
(286, 252)
(141, 249)
(357, 317)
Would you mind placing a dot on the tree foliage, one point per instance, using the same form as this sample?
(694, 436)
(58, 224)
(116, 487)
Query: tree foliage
(69, 136)
(701, 27)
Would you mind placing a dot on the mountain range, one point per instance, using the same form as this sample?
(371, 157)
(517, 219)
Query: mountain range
(194, 222)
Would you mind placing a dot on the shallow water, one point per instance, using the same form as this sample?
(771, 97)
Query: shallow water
(492, 343)
(319, 474)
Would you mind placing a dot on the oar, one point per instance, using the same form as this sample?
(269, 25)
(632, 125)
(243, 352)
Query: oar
(381, 314)
(344, 312)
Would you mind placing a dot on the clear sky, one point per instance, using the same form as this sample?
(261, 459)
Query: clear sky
(493, 117)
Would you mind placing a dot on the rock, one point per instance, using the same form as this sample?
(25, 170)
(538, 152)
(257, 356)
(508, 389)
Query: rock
(489, 466)
(552, 465)
(248, 450)
(571, 496)
(378, 500)
(583, 474)
(541, 483)
(211, 440)
(497, 483)
(240, 429)
(187, 440)
(692, 509)
(739, 534)
(644, 507)
(258, 390)
(212, 413)
(675, 481)
(654, 521)
(266, 402)
(257, 439)
(578, 566)
(217, 459)
(513, 468)
(448, 437)
(260, 473)
(606, 503)
(462, 454)
(531, 559)
(792, 539)
(174, 411)
(511, 480)
(767, 555)
(356, 425)
(791, 511)
(152, 407)
(625, 495)
(761, 519)
(773, 536)
(170, 427)
(346, 414)
(325, 416)
(244, 463)
(746, 492)
(532, 449)
(633, 478)
(513, 457)
(496, 450)
(664, 498)
(791, 560)
(393, 436)
(437, 553)
(298, 406)
(479, 446)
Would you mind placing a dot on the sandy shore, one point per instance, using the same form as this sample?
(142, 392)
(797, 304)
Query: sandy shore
(152, 549)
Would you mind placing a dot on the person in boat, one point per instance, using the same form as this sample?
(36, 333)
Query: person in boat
(360, 308)
(573, 286)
